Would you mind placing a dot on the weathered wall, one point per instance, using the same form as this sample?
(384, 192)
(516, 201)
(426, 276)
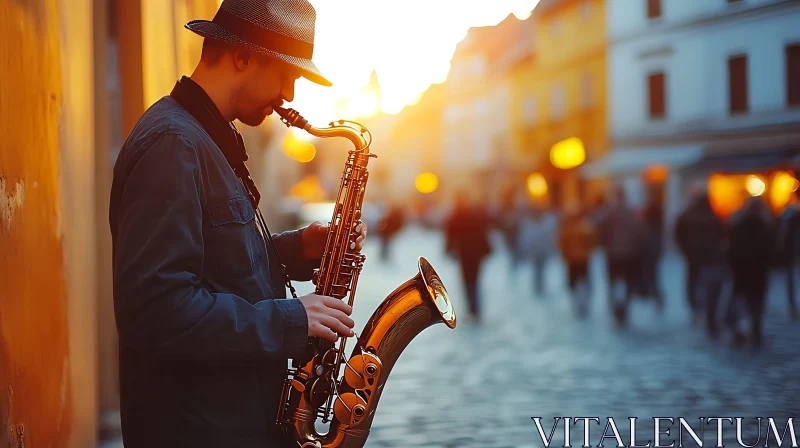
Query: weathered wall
(35, 392)
(77, 201)
(47, 239)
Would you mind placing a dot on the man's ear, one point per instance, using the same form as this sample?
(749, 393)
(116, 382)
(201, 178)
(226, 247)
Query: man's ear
(242, 58)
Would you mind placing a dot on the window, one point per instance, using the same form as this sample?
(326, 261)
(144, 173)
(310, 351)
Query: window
(793, 74)
(558, 102)
(529, 110)
(653, 9)
(737, 84)
(586, 9)
(481, 107)
(453, 149)
(556, 26)
(477, 66)
(656, 96)
(587, 96)
(452, 114)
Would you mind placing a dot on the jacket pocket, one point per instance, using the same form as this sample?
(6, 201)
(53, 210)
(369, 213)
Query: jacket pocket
(235, 247)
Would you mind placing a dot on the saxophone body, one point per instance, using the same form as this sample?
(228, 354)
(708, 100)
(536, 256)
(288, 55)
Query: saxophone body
(339, 389)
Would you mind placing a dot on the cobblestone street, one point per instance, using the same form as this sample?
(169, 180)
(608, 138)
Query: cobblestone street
(480, 384)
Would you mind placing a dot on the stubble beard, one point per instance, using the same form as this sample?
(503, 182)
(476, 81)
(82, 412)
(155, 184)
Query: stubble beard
(251, 115)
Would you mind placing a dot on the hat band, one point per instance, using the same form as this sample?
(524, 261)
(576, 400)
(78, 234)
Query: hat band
(263, 37)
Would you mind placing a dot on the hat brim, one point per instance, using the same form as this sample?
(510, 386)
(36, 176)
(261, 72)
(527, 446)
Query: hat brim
(212, 30)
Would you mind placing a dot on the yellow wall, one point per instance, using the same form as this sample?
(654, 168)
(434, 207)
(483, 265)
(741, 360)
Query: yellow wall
(33, 312)
(567, 46)
(77, 226)
(169, 49)
(47, 234)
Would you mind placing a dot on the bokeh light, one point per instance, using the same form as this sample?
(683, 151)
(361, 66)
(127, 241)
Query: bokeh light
(426, 182)
(537, 185)
(568, 153)
(309, 189)
(656, 174)
(298, 149)
(783, 185)
(755, 185)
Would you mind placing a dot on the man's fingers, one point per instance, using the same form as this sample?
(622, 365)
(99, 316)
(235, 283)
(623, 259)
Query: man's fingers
(324, 332)
(343, 318)
(337, 304)
(336, 325)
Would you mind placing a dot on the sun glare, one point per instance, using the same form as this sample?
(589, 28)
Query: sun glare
(409, 44)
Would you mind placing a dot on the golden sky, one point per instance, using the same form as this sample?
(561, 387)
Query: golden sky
(408, 42)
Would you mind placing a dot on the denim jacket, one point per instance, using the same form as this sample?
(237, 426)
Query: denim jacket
(205, 329)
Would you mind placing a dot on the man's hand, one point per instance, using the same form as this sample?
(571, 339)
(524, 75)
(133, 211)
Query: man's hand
(327, 317)
(315, 235)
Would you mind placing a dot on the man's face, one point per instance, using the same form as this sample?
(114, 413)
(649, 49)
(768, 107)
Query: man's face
(266, 83)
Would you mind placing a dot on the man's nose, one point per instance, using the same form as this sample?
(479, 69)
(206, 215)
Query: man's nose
(287, 92)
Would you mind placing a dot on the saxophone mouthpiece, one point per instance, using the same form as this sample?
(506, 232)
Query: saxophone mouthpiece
(291, 117)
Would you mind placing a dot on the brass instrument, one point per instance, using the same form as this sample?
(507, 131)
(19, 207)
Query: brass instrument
(316, 389)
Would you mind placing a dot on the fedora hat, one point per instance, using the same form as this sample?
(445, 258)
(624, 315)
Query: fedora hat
(283, 29)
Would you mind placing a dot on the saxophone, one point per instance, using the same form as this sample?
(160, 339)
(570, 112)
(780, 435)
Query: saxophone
(318, 389)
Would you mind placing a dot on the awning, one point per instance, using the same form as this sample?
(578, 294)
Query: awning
(621, 161)
(752, 154)
(748, 162)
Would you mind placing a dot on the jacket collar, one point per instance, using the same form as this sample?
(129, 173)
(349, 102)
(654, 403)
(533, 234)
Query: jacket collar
(196, 101)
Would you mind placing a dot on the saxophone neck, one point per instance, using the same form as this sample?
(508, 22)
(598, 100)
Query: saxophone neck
(348, 129)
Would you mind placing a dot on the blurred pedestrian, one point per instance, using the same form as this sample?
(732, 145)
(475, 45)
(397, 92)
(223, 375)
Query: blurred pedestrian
(577, 239)
(507, 220)
(622, 235)
(751, 249)
(598, 211)
(391, 223)
(789, 247)
(537, 241)
(700, 235)
(653, 219)
(467, 240)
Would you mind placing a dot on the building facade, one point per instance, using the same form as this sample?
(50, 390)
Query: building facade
(701, 89)
(560, 92)
(476, 120)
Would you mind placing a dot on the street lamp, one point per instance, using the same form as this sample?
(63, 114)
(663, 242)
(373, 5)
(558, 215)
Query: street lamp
(426, 182)
(537, 185)
(568, 153)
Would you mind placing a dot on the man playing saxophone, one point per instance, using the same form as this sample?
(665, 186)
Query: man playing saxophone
(205, 328)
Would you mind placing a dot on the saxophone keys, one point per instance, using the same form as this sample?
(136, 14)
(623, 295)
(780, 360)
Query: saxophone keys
(363, 372)
(300, 387)
(350, 409)
(315, 278)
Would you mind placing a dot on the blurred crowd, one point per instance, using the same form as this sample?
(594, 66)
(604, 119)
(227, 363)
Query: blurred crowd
(727, 261)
